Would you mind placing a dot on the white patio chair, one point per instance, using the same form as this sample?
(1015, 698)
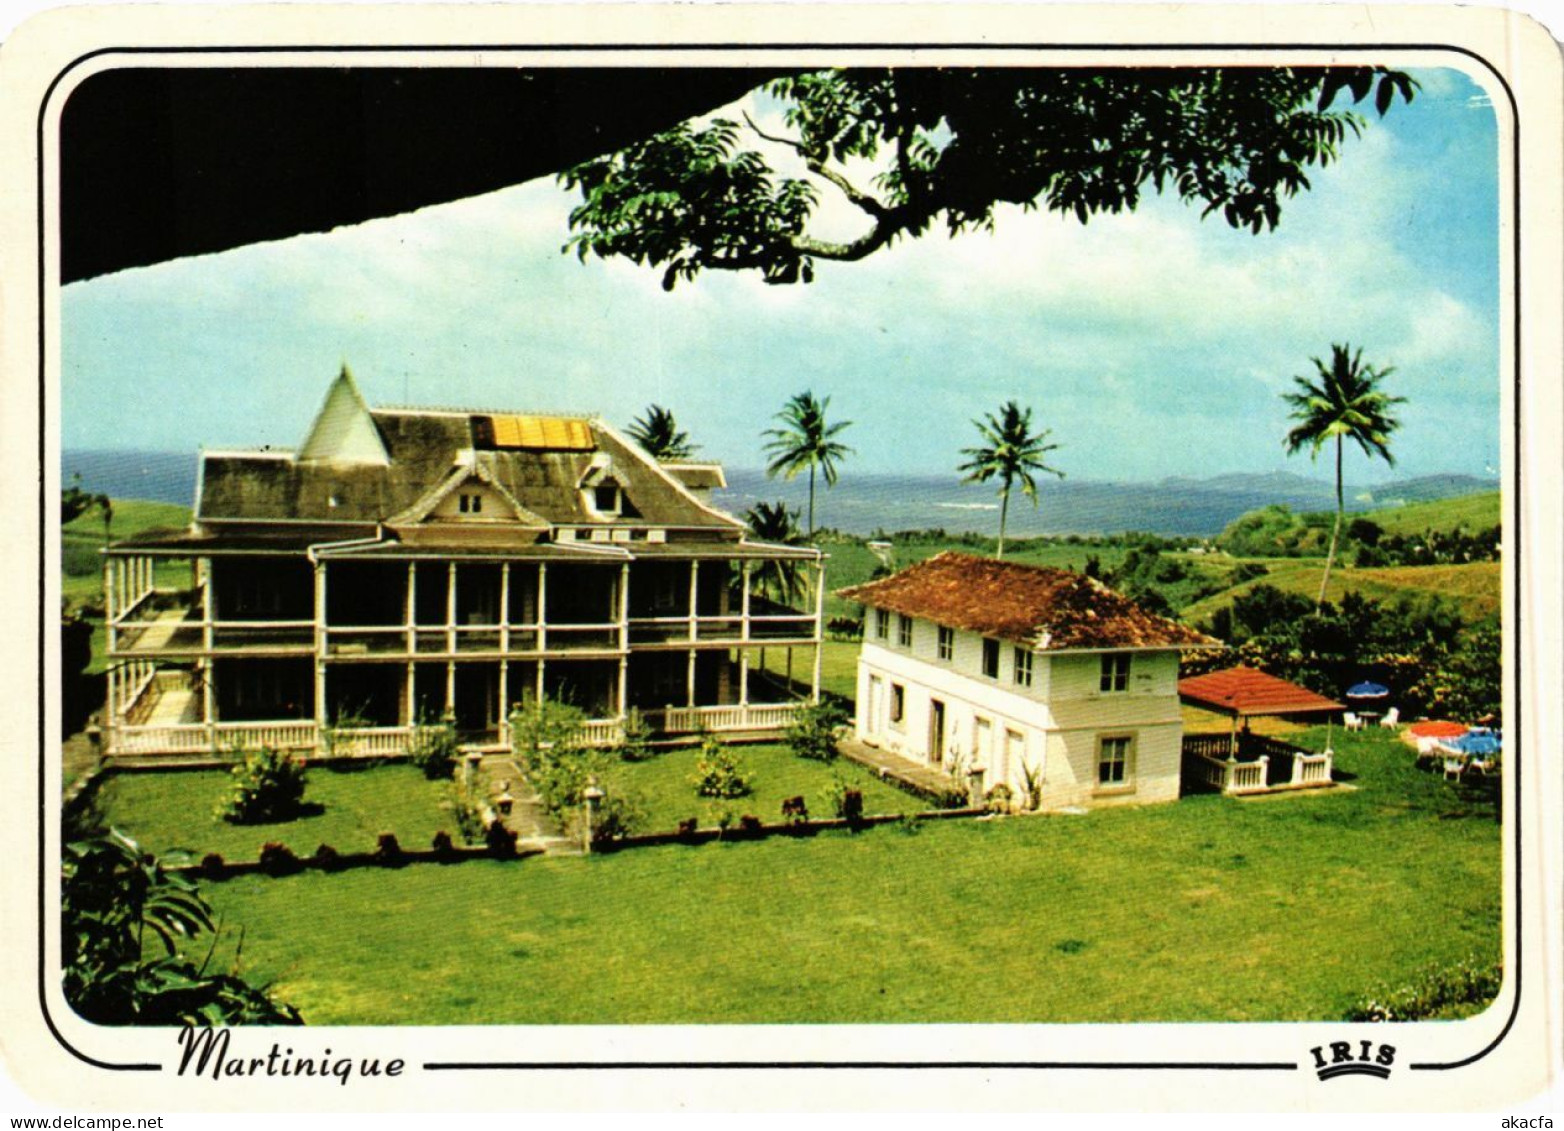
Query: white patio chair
(1392, 717)
(1455, 766)
(1350, 721)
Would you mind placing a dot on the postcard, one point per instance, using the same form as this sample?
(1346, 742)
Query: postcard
(782, 558)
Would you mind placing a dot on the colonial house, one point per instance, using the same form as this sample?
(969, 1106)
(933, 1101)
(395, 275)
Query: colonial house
(404, 566)
(1022, 676)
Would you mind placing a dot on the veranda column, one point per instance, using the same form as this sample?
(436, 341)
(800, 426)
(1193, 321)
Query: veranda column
(744, 573)
(504, 708)
(689, 681)
(208, 609)
(411, 618)
(504, 615)
(208, 702)
(109, 609)
(450, 607)
(814, 689)
(320, 643)
(695, 572)
(541, 616)
(624, 638)
(743, 677)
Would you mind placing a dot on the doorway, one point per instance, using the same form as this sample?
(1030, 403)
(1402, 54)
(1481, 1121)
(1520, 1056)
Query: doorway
(936, 732)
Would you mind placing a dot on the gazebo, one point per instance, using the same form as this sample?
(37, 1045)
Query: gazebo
(1242, 762)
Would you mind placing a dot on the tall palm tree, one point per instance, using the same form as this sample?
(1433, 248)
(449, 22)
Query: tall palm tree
(775, 523)
(658, 432)
(1010, 453)
(1343, 403)
(805, 440)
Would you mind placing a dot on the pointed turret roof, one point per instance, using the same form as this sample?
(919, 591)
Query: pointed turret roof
(344, 430)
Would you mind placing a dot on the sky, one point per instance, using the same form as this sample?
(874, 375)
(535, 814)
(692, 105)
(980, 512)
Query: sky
(1152, 344)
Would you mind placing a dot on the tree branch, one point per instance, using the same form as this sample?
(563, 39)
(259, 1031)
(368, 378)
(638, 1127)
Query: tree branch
(815, 165)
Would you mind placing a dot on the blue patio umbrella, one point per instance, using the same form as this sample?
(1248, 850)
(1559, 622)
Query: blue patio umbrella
(1367, 690)
(1480, 743)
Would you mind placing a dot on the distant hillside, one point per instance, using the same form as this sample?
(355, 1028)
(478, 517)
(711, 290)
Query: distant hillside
(82, 538)
(1474, 512)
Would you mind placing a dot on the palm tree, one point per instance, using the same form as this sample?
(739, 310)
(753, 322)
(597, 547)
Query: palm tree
(1010, 453)
(805, 440)
(775, 523)
(1343, 403)
(658, 432)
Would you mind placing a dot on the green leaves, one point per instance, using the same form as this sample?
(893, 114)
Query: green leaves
(115, 901)
(658, 433)
(950, 144)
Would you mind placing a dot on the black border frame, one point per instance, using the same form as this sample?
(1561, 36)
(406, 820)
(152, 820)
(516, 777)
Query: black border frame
(1512, 518)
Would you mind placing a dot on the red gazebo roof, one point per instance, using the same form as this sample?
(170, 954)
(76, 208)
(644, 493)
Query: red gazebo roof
(1247, 691)
(1438, 728)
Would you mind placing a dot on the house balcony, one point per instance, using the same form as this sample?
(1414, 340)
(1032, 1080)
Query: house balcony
(1251, 763)
(683, 632)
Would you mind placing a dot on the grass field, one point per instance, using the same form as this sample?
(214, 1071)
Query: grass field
(1474, 587)
(1204, 909)
(663, 785)
(1474, 512)
(82, 538)
(165, 811)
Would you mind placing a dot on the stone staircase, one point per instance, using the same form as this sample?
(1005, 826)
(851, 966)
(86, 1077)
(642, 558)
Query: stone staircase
(528, 819)
(916, 777)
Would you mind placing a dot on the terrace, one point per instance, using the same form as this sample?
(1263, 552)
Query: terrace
(1241, 761)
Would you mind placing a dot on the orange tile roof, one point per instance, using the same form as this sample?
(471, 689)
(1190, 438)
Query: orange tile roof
(1248, 691)
(1050, 609)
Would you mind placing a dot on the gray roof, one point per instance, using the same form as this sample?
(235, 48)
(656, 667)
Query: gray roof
(424, 449)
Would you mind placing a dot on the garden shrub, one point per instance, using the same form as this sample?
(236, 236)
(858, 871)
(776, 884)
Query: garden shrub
(268, 786)
(845, 801)
(718, 772)
(124, 920)
(435, 751)
(499, 840)
(388, 852)
(813, 729)
(998, 798)
(618, 816)
(468, 811)
(442, 844)
(688, 826)
(749, 823)
(1437, 993)
(327, 859)
(213, 867)
(278, 859)
(636, 744)
(795, 810)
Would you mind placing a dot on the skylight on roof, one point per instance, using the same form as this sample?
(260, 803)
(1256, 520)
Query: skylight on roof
(536, 433)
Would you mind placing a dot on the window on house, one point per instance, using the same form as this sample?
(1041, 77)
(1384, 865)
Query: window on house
(606, 499)
(898, 702)
(991, 659)
(1024, 667)
(469, 504)
(1115, 672)
(904, 631)
(882, 624)
(947, 643)
(1113, 761)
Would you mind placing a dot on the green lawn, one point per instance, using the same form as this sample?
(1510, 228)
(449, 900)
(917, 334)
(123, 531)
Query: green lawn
(664, 788)
(164, 811)
(1204, 909)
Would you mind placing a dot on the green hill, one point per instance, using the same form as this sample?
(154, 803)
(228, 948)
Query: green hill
(1474, 587)
(1474, 512)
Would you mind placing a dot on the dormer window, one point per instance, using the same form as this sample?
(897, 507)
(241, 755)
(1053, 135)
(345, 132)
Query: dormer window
(605, 498)
(469, 503)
